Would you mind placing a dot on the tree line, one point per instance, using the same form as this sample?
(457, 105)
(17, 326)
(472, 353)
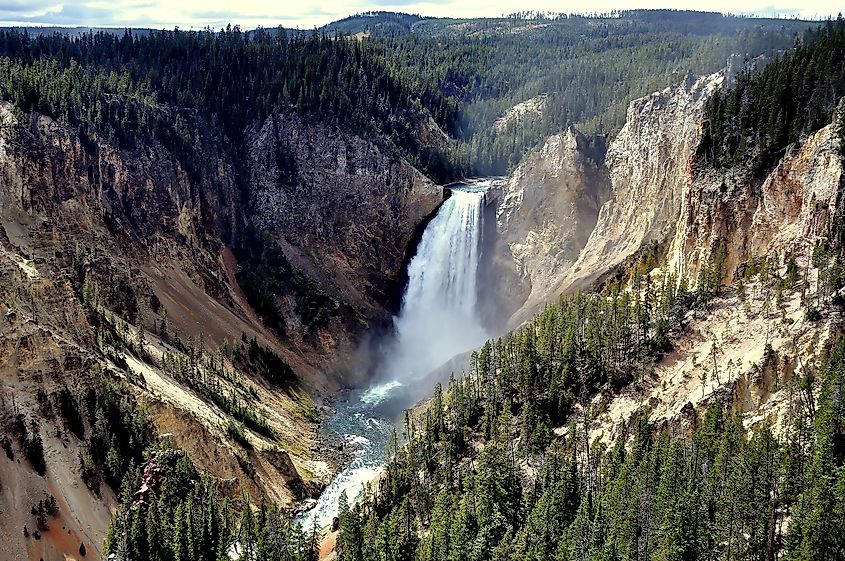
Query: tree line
(197, 91)
(500, 467)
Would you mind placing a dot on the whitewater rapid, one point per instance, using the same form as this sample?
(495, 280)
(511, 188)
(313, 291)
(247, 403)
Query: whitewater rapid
(438, 319)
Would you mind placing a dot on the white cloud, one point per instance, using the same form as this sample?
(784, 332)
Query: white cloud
(309, 13)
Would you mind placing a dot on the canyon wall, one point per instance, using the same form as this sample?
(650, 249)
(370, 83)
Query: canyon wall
(649, 188)
(343, 208)
(115, 262)
(655, 194)
(540, 219)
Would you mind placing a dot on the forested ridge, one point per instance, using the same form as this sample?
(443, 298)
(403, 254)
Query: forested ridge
(589, 67)
(790, 98)
(198, 91)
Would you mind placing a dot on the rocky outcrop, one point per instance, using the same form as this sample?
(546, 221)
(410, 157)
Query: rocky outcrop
(586, 212)
(650, 187)
(650, 166)
(344, 210)
(744, 218)
(544, 215)
(659, 190)
(90, 232)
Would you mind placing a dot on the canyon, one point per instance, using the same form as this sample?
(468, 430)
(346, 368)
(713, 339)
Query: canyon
(96, 239)
(94, 236)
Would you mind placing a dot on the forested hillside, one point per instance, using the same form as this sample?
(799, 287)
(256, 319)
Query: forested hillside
(198, 92)
(502, 466)
(588, 68)
(466, 74)
(790, 98)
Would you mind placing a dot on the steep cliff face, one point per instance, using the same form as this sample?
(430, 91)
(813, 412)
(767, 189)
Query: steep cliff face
(343, 209)
(544, 214)
(634, 195)
(118, 265)
(746, 218)
(737, 351)
(651, 188)
(70, 214)
(650, 169)
(746, 348)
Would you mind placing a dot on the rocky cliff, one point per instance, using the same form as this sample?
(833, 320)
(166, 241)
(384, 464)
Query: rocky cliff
(653, 190)
(544, 215)
(571, 212)
(648, 188)
(344, 209)
(120, 267)
(746, 218)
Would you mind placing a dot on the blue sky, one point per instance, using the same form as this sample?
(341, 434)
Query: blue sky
(309, 13)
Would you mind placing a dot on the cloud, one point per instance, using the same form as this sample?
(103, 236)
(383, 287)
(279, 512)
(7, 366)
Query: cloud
(309, 13)
(27, 9)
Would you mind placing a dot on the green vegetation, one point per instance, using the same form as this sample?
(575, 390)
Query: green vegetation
(205, 375)
(265, 274)
(199, 92)
(589, 68)
(840, 127)
(46, 508)
(119, 431)
(502, 467)
(763, 112)
(264, 362)
(29, 439)
(484, 477)
(191, 364)
(181, 516)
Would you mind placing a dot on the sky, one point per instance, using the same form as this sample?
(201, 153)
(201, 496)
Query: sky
(306, 14)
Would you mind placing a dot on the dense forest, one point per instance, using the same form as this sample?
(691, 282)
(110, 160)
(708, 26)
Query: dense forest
(182, 516)
(501, 467)
(199, 91)
(579, 70)
(764, 112)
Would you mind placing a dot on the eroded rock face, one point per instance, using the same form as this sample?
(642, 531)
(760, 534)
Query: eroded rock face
(61, 199)
(544, 214)
(651, 188)
(91, 232)
(570, 213)
(650, 165)
(344, 210)
(727, 211)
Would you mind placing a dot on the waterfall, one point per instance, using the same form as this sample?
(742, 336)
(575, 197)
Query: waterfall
(437, 320)
(439, 317)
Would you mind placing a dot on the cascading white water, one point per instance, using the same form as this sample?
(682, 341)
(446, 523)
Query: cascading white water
(439, 316)
(437, 321)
